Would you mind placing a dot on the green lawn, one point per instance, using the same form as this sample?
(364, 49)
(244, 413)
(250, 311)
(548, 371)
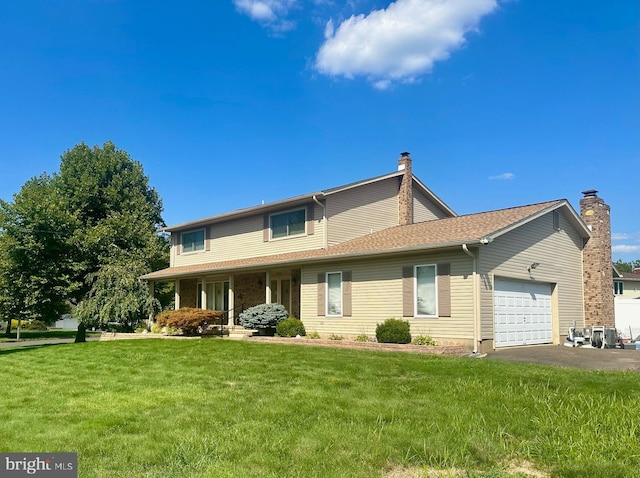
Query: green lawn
(219, 408)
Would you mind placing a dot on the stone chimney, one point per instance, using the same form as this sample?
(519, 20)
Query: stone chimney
(596, 262)
(405, 195)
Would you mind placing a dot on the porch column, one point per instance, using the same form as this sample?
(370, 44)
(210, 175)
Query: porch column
(150, 284)
(267, 287)
(177, 295)
(232, 295)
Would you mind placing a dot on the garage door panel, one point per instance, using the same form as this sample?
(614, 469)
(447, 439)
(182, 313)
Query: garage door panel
(522, 313)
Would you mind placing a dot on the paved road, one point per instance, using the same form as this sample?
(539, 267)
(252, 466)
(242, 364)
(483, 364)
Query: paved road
(591, 359)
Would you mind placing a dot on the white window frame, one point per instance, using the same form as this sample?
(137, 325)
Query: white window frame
(193, 231)
(288, 235)
(415, 290)
(327, 295)
(618, 287)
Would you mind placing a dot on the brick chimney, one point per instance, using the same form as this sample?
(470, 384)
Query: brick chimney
(596, 262)
(405, 195)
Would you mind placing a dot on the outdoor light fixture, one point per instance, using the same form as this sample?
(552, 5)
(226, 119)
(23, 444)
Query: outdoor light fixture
(533, 266)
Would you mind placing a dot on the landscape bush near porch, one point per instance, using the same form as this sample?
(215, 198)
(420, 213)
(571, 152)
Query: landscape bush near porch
(263, 317)
(190, 321)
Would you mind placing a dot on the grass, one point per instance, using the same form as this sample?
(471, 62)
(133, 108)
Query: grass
(41, 335)
(215, 408)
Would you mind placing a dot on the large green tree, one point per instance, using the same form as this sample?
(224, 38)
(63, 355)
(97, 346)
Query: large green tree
(623, 266)
(37, 269)
(83, 235)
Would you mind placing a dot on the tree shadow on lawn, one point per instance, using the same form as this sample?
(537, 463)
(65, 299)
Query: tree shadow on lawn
(20, 348)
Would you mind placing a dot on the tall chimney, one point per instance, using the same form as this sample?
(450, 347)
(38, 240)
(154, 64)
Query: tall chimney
(405, 195)
(596, 261)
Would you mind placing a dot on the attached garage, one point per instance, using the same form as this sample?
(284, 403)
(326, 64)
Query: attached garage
(522, 313)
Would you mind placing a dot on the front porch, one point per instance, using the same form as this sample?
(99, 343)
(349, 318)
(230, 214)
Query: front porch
(232, 293)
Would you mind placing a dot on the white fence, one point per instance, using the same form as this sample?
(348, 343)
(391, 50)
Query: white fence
(628, 316)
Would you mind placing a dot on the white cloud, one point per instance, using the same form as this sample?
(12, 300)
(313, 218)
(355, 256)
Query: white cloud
(620, 236)
(506, 176)
(401, 42)
(269, 13)
(625, 248)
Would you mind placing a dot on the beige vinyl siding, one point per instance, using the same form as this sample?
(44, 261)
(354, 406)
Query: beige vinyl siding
(631, 288)
(560, 256)
(424, 209)
(244, 237)
(358, 211)
(376, 295)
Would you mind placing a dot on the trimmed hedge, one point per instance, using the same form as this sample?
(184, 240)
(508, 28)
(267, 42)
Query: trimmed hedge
(188, 319)
(393, 331)
(290, 327)
(263, 316)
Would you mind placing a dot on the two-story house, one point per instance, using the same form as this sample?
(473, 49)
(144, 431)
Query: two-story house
(345, 259)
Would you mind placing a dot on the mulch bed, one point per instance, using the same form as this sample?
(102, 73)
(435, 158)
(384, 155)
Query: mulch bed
(352, 344)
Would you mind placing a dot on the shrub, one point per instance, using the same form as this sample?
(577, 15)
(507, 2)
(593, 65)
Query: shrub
(263, 316)
(168, 330)
(393, 331)
(335, 337)
(313, 335)
(190, 320)
(362, 338)
(156, 328)
(423, 340)
(290, 327)
(35, 325)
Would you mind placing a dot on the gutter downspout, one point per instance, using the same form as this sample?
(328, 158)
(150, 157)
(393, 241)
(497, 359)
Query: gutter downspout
(476, 308)
(325, 237)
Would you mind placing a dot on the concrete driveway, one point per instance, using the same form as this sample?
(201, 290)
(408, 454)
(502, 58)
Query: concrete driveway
(561, 356)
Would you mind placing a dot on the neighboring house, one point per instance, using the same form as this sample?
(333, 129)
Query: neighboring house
(626, 285)
(345, 259)
(626, 289)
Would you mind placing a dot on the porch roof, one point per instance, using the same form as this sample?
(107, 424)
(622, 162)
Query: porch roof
(471, 229)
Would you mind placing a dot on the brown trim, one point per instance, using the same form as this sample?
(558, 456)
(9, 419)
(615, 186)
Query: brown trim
(346, 293)
(407, 291)
(443, 271)
(321, 293)
(265, 228)
(310, 219)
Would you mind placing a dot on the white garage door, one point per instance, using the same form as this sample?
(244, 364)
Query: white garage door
(522, 313)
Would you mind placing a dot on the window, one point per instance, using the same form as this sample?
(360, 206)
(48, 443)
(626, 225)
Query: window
(193, 241)
(334, 293)
(618, 288)
(425, 296)
(288, 224)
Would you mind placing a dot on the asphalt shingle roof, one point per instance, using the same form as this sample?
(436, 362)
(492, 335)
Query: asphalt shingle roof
(467, 229)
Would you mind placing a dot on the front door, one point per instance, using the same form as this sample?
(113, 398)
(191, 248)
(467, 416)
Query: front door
(281, 292)
(217, 295)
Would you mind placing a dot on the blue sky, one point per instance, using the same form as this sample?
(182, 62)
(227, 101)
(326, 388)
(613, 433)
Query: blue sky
(228, 103)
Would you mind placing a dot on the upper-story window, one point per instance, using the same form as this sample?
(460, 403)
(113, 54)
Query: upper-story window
(287, 224)
(618, 288)
(193, 241)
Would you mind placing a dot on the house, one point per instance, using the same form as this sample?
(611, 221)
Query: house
(345, 259)
(626, 289)
(626, 285)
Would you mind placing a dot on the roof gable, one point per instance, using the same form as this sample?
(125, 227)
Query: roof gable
(305, 198)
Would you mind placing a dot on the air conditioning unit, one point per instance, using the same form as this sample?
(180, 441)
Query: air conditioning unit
(602, 337)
